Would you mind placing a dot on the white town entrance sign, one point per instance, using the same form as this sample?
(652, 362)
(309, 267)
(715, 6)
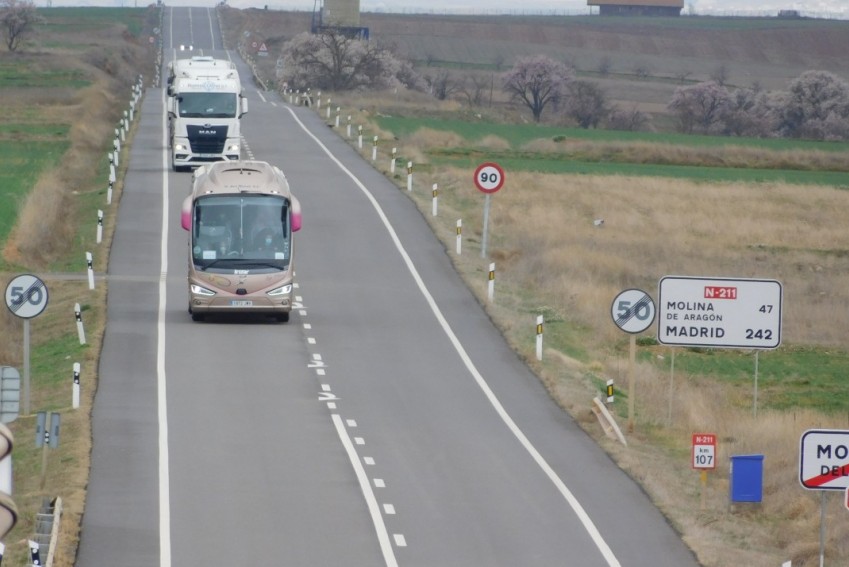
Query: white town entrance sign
(719, 312)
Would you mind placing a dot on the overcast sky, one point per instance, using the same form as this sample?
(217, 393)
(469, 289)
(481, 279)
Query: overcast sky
(823, 8)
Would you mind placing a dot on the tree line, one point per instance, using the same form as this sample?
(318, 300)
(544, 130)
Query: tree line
(815, 105)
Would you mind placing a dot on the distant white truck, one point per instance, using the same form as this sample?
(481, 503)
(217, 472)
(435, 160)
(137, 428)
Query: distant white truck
(205, 105)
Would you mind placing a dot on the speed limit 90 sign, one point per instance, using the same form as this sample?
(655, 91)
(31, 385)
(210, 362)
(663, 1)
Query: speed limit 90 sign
(26, 296)
(489, 177)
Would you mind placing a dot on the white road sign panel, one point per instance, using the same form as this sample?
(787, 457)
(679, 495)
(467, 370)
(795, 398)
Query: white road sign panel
(719, 312)
(824, 459)
(26, 296)
(633, 311)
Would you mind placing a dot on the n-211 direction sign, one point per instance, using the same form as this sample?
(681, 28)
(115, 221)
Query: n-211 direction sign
(719, 312)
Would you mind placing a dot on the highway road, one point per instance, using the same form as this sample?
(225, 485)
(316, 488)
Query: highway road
(388, 423)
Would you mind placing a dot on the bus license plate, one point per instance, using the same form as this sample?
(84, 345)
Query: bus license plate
(241, 303)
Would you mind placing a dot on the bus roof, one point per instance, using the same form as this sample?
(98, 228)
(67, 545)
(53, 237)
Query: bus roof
(243, 176)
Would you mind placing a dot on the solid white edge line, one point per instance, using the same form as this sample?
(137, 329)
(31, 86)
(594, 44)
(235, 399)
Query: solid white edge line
(373, 507)
(582, 515)
(162, 405)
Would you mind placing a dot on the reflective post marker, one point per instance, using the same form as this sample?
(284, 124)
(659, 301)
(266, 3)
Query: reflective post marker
(360, 137)
(435, 193)
(90, 269)
(79, 317)
(109, 193)
(99, 226)
(328, 108)
(75, 394)
(348, 128)
(392, 161)
(459, 236)
(491, 284)
(610, 391)
(374, 149)
(337, 116)
(539, 337)
(409, 176)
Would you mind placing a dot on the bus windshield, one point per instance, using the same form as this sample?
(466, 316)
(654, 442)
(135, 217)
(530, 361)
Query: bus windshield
(208, 105)
(241, 232)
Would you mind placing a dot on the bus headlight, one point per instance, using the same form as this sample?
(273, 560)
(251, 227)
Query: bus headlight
(282, 290)
(199, 290)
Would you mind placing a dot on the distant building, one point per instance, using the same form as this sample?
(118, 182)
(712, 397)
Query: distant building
(341, 16)
(789, 14)
(638, 7)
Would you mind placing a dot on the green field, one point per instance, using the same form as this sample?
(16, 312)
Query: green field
(517, 159)
(21, 162)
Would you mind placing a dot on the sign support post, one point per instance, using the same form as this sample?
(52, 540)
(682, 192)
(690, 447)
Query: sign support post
(633, 312)
(26, 297)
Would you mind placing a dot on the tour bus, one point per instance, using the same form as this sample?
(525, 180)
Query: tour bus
(241, 217)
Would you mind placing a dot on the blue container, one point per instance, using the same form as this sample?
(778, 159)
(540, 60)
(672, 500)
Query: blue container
(747, 474)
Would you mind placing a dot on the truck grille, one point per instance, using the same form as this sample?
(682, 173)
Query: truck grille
(207, 139)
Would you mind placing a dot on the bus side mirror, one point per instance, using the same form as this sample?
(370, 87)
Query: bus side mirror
(186, 213)
(295, 215)
(244, 102)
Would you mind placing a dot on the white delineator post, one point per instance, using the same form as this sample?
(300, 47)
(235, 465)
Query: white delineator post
(491, 283)
(75, 394)
(459, 236)
(99, 226)
(435, 193)
(409, 176)
(374, 149)
(79, 317)
(539, 337)
(90, 268)
(392, 161)
(360, 137)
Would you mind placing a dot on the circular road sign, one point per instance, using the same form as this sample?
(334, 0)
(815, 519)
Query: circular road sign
(489, 177)
(633, 311)
(26, 296)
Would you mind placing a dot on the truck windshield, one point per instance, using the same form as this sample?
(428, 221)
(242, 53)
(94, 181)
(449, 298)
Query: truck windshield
(241, 232)
(207, 105)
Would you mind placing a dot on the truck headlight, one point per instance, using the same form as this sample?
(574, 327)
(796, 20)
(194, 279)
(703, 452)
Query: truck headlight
(180, 147)
(233, 148)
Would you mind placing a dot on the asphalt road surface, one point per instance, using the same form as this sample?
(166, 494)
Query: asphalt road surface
(388, 423)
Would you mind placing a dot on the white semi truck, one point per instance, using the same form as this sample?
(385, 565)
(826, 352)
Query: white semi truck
(205, 105)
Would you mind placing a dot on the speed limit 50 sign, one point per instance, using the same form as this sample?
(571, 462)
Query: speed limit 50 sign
(633, 311)
(26, 296)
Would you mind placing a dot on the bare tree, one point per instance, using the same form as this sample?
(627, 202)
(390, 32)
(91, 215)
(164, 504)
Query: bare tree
(587, 103)
(333, 61)
(473, 89)
(17, 20)
(699, 105)
(682, 75)
(720, 75)
(630, 119)
(443, 84)
(537, 81)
